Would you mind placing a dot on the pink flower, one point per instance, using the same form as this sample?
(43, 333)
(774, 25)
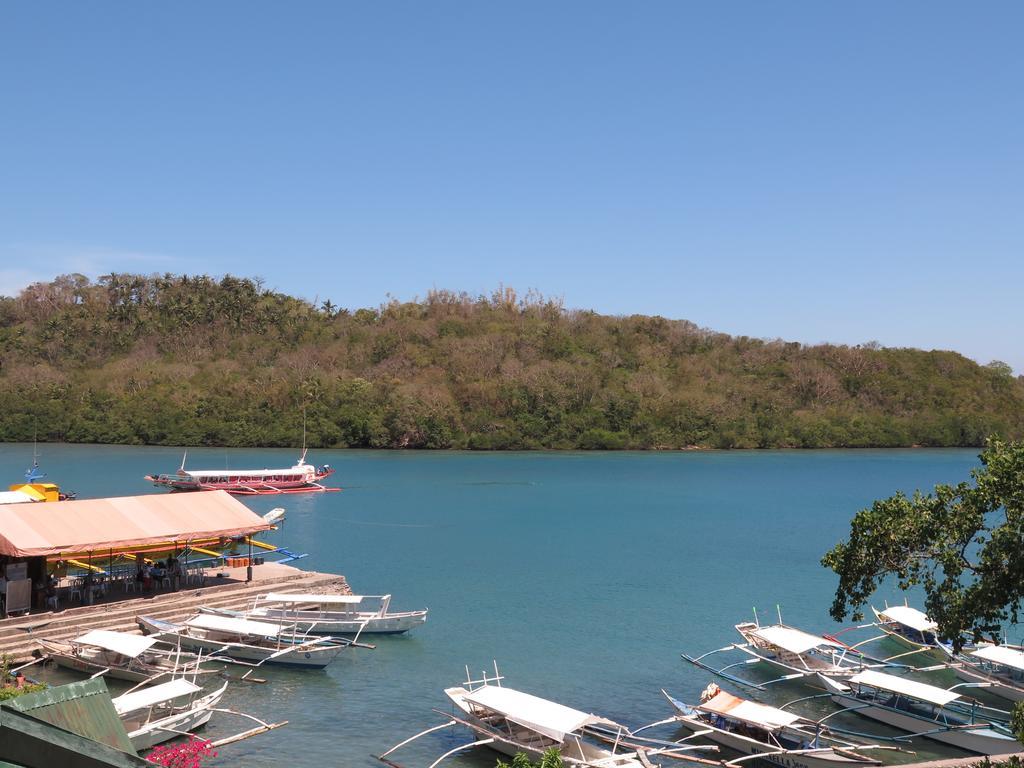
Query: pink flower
(187, 754)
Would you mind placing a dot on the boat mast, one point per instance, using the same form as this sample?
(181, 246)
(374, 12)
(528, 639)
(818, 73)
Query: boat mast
(181, 469)
(32, 473)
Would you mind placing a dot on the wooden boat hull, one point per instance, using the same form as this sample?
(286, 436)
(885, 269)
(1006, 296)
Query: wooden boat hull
(982, 741)
(309, 657)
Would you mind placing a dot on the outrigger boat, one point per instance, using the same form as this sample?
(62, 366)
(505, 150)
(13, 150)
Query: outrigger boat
(301, 478)
(912, 629)
(999, 667)
(163, 712)
(330, 614)
(800, 655)
(922, 710)
(510, 721)
(246, 642)
(119, 655)
(759, 731)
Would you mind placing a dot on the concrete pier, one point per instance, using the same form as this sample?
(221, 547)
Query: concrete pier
(18, 635)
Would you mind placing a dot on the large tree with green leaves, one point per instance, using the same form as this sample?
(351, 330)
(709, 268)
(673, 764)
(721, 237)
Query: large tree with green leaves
(963, 544)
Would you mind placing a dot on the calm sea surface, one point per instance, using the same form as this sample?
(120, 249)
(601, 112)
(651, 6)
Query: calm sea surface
(583, 574)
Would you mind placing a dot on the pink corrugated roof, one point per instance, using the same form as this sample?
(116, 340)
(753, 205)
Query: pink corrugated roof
(86, 525)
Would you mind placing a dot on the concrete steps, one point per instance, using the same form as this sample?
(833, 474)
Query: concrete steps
(18, 636)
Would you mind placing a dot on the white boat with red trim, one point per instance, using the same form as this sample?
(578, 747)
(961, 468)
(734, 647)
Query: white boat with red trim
(300, 478)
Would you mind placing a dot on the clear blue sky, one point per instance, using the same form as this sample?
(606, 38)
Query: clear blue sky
(814, 171)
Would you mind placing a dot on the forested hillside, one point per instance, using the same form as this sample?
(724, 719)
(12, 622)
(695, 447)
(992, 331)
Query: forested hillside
(200, 361)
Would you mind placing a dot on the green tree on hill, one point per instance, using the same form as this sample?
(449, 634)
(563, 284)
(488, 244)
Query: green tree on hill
(192, 359)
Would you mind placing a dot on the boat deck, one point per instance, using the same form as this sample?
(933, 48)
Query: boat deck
(117, 611)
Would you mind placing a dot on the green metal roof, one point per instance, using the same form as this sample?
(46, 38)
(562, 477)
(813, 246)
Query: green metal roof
(82, 707)
(26, 742)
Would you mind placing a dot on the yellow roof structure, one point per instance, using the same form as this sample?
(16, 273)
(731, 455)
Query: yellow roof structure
(38, 491)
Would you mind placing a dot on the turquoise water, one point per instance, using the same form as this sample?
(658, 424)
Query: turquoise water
(583, 574)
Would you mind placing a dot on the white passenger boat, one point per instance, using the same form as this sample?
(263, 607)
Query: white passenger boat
(163, 712)
(774, 735)
(510, 721)
(921, 710)
(246, 641)
(331, 614)
(300, 478)
(999, 667)
(117, 654)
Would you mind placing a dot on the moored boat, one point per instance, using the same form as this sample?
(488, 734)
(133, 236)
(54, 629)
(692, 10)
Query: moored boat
(774, 735)
(245, 641)
(330, 614)
(163, 712)
(800, 654)
(922, 710)
(999, 667)
(118, 655)
(913, 629)
(510, 721)
(300, 478)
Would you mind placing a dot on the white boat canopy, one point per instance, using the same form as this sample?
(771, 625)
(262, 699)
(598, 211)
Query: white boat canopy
(909, 617)
(284, 597)
(546, 717)
(118, 642)
(237, 626)
(224, 473)
(790, 639)
(156, 694)
(1000, 654)
(727, 705)
(902, 685)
